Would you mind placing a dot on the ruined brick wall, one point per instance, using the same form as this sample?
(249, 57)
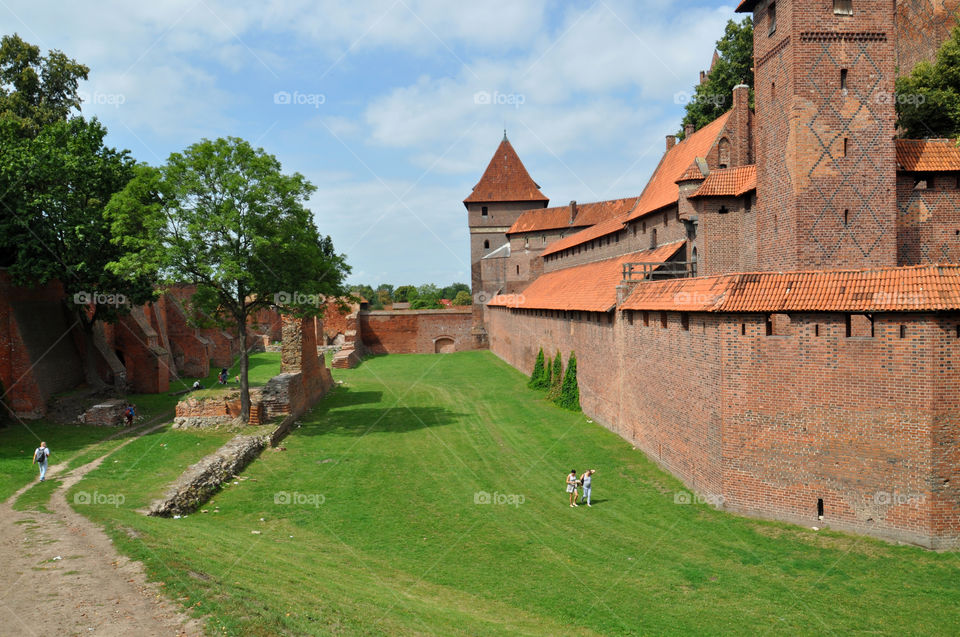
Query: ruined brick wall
(416, 331)
(772, 424)
(825, 154)
(928, 220)
(922, 26)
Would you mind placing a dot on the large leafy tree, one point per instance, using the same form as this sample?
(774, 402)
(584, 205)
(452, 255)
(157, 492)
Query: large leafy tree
(222, 216)
(928, 100)
(733, 66)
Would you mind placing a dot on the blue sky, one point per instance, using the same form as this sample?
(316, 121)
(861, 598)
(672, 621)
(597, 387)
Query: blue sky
(393, 108)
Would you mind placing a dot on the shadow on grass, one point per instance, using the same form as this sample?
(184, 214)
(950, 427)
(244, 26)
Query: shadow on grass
(340, 414)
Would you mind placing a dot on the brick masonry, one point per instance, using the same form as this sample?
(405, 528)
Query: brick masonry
(417, 331)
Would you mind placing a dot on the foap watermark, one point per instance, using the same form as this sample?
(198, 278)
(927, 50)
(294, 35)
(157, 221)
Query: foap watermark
(895, 498)
(686, 497)
(297, 298)
(510, 499)
(683, 98)
(104, 99)
(296, 498)
(497, 98)
(297, 98)
(695, 298)
(509, 300)
(99, 298)
(911, 99)
(898, 299)
(96, 498)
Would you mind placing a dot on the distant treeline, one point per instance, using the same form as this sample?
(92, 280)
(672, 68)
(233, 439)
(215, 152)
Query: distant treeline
(422, 297)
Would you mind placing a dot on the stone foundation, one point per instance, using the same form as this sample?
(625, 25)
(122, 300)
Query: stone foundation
(107, 414)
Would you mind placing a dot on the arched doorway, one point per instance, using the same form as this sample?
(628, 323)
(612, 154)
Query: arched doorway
(444, 345)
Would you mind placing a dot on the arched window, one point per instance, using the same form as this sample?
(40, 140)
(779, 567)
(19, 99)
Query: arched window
(486, 244)
(724, 152)
(693, 262)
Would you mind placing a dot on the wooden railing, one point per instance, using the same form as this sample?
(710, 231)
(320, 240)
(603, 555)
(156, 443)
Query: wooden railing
(652, 271)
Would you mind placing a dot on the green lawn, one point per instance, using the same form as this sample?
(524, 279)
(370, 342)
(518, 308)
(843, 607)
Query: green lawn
(369, 523)
(78, 444)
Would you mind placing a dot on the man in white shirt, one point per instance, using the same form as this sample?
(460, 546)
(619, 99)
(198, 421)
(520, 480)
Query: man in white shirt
(40, 457)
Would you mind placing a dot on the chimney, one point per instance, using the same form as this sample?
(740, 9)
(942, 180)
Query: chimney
(671, 141)
(741, 97)
(689, 130)
(573, 211)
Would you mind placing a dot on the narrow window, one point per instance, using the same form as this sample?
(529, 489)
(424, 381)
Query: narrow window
(773, 90)
(903, 331)
(644, 227)
(846, 146)
(663, 319)
(685, 321)
(743, 329)
(646, 322)
(849, 325)
(772, 17)
(843, 7)
(846, 218)
(769, 325)
(843, 79)
(629, 317)
(518, 269)
(653, 239)
(748, 203)
(816, 330)
(543, 239)
(486, 244)
(819, 508)
(931, 182)
(483, 211)
(665, 219)
(635, 227)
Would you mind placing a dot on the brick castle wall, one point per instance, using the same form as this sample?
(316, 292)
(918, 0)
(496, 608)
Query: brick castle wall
(416, 331)
(769, 425)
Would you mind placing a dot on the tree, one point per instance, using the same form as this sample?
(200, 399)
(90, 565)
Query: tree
(425, 304)
(547, 374)
(385, 294)
(569, 397)
(451, 291)
(55, 186)
(37, 90)
(463, 298)
(538, 376)
(405, 294)
(222, 216)
(928, 100)
(428, 291)
(556, 378)
(734, 65)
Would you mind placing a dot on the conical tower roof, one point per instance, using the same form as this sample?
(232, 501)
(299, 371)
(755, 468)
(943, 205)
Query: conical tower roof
(505, 179)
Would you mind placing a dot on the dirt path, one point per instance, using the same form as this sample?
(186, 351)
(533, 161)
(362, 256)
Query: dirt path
(91, 589)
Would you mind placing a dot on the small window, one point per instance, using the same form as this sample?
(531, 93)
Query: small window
(518, 269)
(843, 79)
(665, 219)
(685, 321)
(772, 17)
(769, 325)
(486, 244)
(483, 211)
(646, 322)
(653, 238)
(644, 227)
(819, 508)
(846, 146)
(743, 329)
(629, 317)
(663, 319)
(543, 239)
(816, 329)
(903, 331)
(846, 218)
(773, 90)
(723, 210)
(859, 326)
(843, 7)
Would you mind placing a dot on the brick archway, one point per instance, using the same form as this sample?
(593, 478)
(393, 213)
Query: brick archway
(444, 345)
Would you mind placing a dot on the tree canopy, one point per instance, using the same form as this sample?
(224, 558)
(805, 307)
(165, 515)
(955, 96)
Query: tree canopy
(928, 99)
(222, 216)
(733, 66)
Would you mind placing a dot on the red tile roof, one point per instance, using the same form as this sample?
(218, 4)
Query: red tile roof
(907, 289)
(591, 287)
(728, 182)
(662, 188)
(588, 214)
(928, 155)
(692, 173)
(588, 234)
(505, 179)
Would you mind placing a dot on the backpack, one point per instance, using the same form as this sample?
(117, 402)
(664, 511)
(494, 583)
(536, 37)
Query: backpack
(40, 455)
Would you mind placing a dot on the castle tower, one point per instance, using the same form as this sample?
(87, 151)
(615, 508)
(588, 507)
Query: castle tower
(826, 164)
(503, 192)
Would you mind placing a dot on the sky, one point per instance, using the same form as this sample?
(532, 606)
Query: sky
(393, 108)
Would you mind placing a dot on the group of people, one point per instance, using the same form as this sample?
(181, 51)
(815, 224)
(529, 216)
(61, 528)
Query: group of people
(574, 484)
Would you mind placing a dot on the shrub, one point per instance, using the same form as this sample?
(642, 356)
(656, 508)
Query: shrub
(557, 380)
(462, 298)
(569, 397)
(538, 377)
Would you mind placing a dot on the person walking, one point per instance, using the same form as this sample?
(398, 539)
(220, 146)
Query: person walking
(586, 480)
(129, 414)
(40, 457)
(572, 487)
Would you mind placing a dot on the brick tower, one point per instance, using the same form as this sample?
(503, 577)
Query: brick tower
(503, 192)
(826, 161)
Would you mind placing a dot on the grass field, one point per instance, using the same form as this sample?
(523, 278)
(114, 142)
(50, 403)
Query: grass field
(374, 520)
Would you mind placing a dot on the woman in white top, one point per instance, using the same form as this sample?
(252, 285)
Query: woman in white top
(586, 479)
(572, 487)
